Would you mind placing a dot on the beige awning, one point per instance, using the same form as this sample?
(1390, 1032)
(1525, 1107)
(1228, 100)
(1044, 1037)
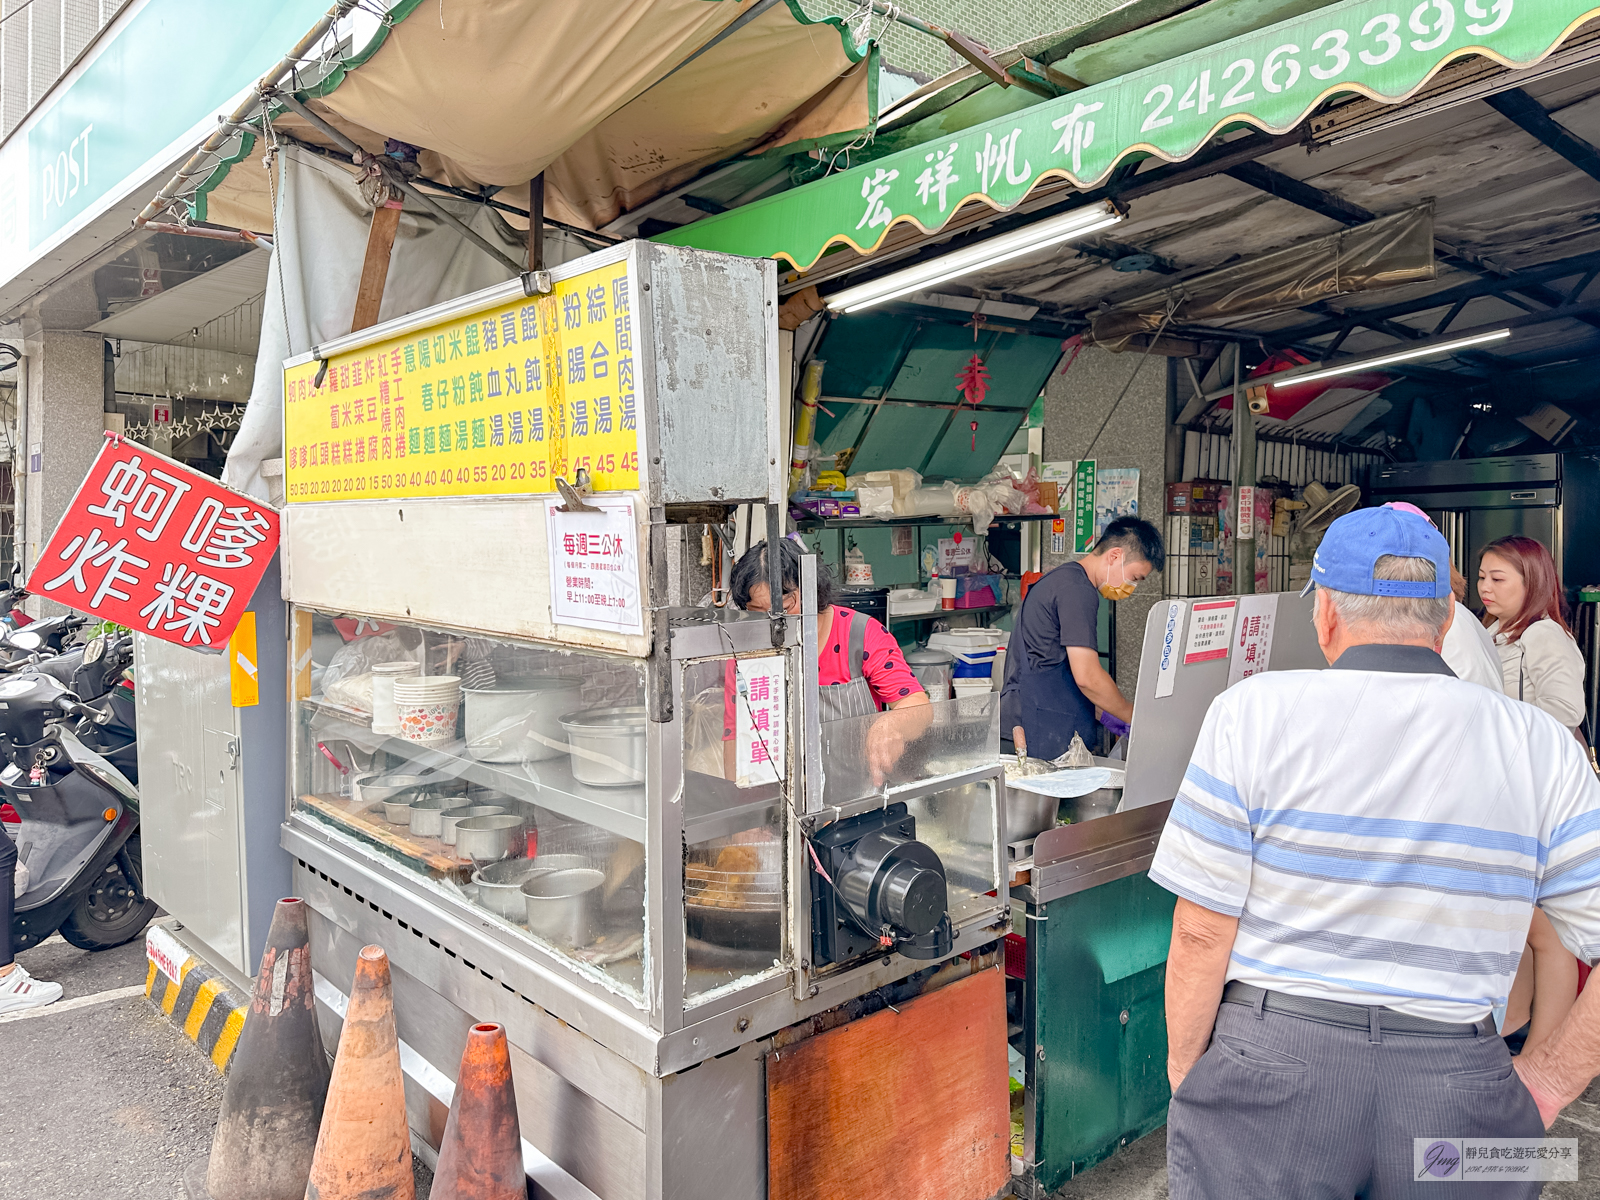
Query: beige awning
(496, 91)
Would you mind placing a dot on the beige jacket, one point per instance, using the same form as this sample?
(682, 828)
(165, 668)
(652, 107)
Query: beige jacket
(1545, 668)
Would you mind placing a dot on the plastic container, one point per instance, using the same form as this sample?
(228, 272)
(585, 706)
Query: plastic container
(428, 707)
(933, 669)
(385, 718)
(974, 650)
(972, 687)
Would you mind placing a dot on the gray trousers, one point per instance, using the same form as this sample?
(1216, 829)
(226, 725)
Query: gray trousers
(1280, 1107)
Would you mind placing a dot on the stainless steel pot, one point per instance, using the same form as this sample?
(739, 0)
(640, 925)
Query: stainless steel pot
(1028, 814)
(607, 746)
(500, 885)
(449, 817)
(519, 720)
(565, 906)
(398, 812)
(490, 839)
(425, 814)
(1100, 803)
(380, 789)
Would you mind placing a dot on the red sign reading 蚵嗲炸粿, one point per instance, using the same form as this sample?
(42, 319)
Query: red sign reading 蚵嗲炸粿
(153, 545)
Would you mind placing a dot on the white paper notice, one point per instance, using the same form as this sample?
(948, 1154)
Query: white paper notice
(1171, 636)
(1252, 645)
(594, 568)
(1247, 513)
(1210, 626)
(758, 721)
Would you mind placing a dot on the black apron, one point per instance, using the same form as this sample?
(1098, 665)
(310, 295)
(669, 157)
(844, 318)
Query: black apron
(1050, 706)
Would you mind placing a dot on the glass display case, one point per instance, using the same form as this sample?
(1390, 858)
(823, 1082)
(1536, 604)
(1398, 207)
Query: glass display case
(509, 777)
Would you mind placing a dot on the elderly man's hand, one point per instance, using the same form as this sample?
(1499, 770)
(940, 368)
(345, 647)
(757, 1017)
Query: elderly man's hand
(1549, 1107)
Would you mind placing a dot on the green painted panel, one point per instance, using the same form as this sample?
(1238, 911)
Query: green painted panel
(899, 436)
(840, 426)
(1097, 1082)
(888, 569)
(955, 457)
(1019, 367)
(863, 353)
(936, 356)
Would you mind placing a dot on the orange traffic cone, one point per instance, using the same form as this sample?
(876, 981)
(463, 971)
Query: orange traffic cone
(364, 1148)
(481, 1155)
(278, 1079)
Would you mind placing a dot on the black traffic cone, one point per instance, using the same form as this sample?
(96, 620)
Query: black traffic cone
(278, 1079)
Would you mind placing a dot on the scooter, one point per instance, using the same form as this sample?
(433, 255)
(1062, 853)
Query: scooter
(47, 636)
(79, 835)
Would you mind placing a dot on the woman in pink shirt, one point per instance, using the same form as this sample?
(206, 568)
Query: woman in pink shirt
(861, 670)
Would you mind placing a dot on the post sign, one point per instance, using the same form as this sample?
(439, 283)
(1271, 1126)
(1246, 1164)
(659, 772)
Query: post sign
(1270, 78)
(1083, 506)
(594, 568)
(498, 403)
(150, 544)
(1210, 625)
(1252, 645)
(758, 721)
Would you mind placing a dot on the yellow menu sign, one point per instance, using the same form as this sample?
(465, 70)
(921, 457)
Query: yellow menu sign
(501, 402)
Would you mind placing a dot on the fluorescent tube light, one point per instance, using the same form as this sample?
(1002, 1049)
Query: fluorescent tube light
(1383, 360)
(981, 256)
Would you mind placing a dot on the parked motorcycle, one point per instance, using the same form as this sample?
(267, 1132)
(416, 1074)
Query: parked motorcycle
(69, 745)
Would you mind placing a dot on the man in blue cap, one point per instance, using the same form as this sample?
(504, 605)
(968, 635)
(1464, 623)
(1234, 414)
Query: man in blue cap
(1357, 853)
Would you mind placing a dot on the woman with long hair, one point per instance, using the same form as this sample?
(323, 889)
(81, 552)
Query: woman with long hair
(1540, 664)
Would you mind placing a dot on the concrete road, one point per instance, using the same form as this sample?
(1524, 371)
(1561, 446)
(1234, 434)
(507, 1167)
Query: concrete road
(107, 1098)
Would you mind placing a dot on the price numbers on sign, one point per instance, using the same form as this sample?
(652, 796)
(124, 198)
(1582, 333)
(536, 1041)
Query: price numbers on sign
(153, 545)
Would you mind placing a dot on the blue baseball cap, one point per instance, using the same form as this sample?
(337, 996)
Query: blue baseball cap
(1351, 548)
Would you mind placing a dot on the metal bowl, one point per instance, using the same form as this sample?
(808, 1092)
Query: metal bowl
(398, 812)
(1028, 814)
(490, 839)
(426, 812)
(383, 788)
(565, 906)
(449, 817)
(607, 745)
(1101, 803)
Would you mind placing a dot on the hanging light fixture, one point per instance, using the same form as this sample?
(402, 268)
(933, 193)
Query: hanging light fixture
(1351, 366)
(980, 256)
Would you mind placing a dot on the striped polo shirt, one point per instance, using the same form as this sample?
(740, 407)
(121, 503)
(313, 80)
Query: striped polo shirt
(1382, 830)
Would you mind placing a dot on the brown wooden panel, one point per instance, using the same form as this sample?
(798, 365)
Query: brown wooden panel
(909, 1104)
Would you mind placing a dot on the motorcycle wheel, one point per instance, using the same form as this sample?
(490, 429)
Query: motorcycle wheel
(109, 913)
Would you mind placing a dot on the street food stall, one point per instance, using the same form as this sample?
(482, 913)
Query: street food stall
(563, 801)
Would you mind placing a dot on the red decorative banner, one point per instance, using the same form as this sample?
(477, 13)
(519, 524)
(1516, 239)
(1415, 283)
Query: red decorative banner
(153, 545)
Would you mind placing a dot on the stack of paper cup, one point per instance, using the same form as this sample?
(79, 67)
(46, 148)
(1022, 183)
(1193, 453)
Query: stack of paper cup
(427, 707)
(384, 717)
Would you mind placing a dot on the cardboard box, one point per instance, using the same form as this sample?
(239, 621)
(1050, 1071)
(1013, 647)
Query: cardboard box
(1050, 495)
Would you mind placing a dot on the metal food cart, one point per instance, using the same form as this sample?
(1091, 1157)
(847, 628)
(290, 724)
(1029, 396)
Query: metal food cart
(643, 905)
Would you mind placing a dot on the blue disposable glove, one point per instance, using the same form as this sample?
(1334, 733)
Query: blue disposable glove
(1117, 726)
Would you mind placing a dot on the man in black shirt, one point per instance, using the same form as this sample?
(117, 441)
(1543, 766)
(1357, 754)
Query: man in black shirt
(1054, 679)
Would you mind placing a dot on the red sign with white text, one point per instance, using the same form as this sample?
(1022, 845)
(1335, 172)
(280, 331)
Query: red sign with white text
(158, 547)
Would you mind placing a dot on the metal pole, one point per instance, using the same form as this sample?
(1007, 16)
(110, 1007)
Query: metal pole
(1244, 489)
(536, 223)
(775, 514)
(397, 180)
(200, 160)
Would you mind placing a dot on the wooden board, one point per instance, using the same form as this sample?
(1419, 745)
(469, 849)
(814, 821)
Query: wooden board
(910, 1104)
(429, 853)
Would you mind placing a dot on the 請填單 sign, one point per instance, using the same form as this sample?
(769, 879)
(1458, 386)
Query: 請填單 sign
(153, 545)
(501, 402)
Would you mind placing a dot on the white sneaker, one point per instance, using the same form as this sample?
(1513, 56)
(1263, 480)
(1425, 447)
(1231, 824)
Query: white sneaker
(19, 990)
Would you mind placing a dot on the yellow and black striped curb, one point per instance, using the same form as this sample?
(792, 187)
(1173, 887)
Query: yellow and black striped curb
(195, 995)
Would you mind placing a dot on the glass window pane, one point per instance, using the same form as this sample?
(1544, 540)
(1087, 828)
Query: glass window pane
(506, 775)
(734, 835)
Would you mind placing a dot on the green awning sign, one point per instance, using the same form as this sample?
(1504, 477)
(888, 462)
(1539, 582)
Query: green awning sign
(1384, 49)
